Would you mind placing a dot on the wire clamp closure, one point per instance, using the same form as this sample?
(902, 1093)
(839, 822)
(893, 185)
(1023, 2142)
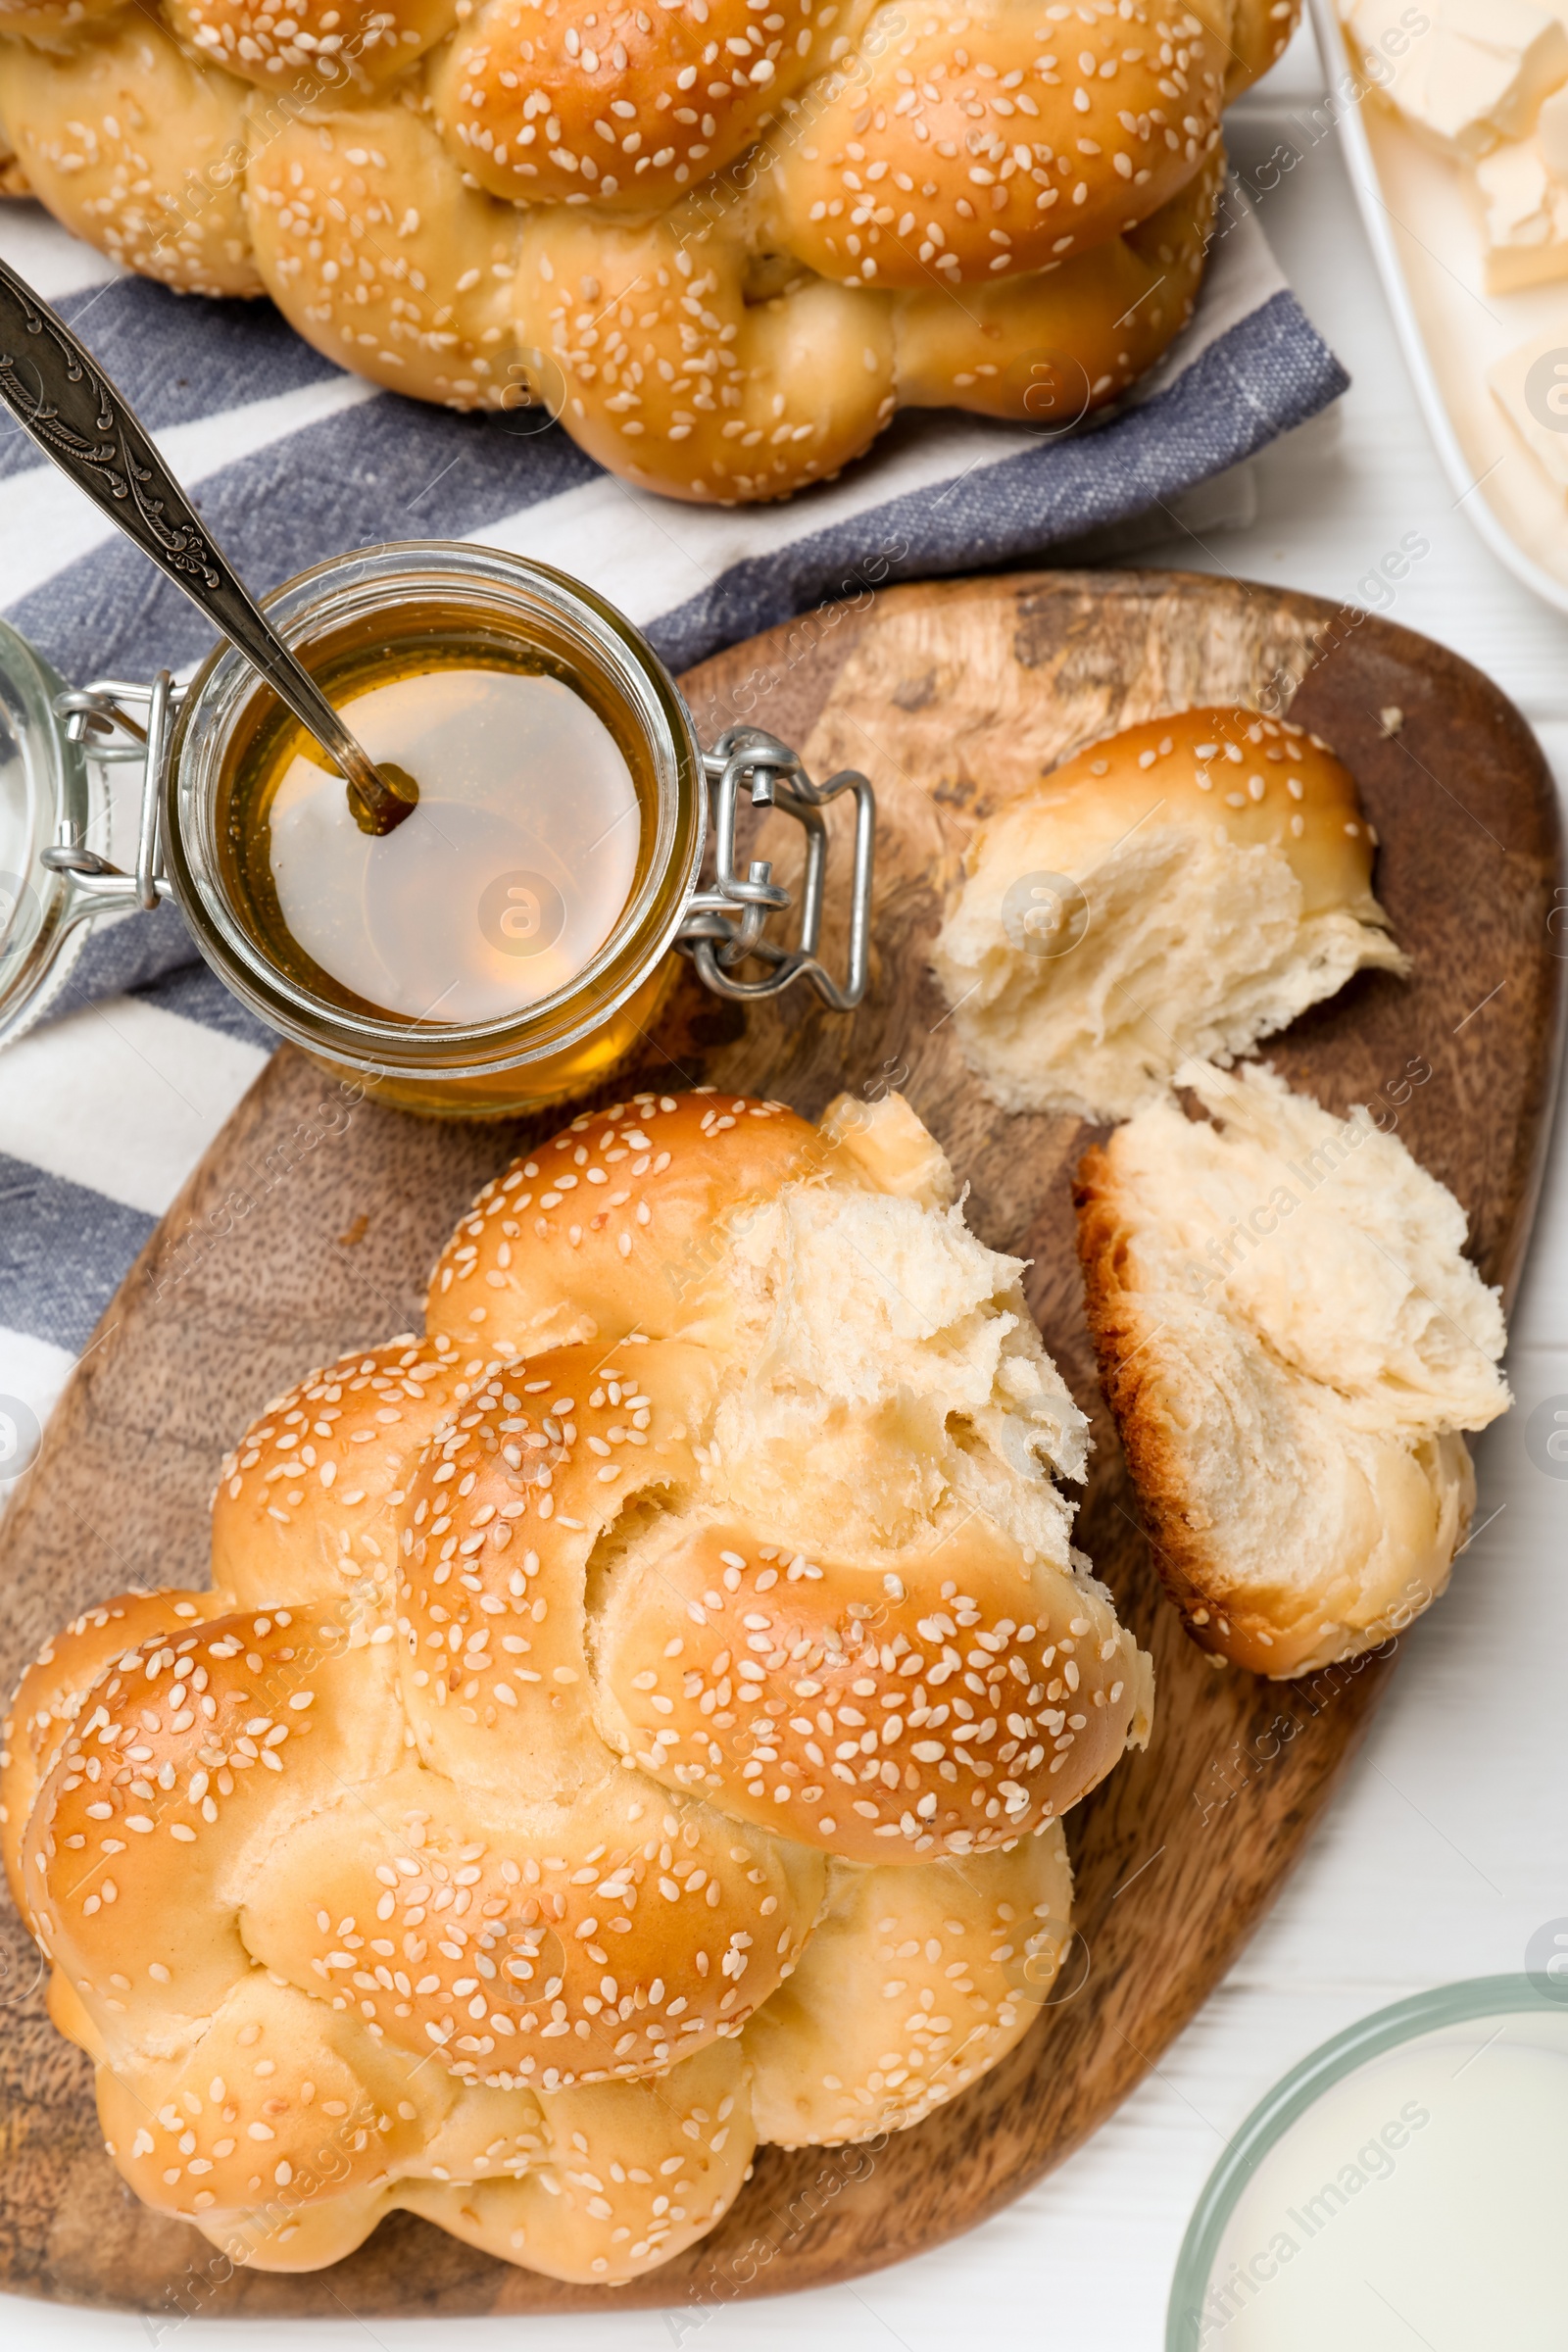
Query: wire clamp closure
(103, 720)
(727, 922)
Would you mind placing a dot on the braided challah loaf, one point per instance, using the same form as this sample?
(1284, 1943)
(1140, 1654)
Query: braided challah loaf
(724, 240)
(628, 1722)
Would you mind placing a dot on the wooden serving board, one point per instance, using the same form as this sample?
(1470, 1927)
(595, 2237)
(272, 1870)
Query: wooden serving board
(308, 1230)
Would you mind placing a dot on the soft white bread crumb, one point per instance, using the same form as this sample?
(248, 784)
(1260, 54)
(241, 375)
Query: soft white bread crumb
(1290, 1340)
(1184, 888)
(893, 1372)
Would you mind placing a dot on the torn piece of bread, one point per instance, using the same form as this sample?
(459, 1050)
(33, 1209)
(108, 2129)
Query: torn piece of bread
(1290, 1340)
(1181, 889)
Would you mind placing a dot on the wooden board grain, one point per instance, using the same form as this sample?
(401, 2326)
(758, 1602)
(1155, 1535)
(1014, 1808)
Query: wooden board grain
(309, 1228)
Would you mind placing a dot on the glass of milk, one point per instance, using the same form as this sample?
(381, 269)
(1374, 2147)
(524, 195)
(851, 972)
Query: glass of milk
(1405, 2184)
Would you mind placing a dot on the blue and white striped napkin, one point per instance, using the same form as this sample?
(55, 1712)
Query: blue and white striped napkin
(105, 1106)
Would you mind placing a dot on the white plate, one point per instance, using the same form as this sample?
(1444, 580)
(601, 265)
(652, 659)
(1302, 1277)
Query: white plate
(1425, 234)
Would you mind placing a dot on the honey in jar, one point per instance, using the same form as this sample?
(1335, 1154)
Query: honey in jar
(508, 943)
(505, 882)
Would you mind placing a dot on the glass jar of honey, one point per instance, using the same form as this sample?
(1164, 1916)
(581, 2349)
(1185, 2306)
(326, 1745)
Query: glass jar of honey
(514, 939)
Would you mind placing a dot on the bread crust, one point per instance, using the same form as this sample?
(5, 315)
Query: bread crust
(1121, 1330)
(722, 247)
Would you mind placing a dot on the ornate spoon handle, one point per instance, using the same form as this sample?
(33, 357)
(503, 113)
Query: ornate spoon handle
(58, 393)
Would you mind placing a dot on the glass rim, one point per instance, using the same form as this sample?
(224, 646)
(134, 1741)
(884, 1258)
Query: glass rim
(345, 587)
(56, 775)
(1296, 2092)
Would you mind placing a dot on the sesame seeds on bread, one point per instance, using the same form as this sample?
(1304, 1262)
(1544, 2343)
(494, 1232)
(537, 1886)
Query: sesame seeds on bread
(631, 1719)
(1183, 888)
(721, 242)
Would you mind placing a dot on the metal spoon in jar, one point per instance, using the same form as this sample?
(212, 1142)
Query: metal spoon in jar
(58, 393)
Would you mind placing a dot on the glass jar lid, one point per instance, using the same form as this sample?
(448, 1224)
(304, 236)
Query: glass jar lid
(47, 796)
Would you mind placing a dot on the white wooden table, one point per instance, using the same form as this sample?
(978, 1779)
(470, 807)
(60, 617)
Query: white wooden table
(1439, 1856)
